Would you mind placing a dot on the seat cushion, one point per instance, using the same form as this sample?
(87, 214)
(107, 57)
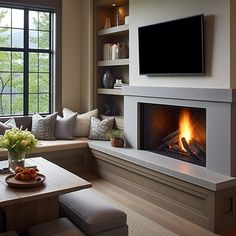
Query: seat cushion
(90, 212)
(9, 233)
(59, 227)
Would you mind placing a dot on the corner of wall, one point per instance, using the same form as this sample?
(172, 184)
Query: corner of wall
(232, 44)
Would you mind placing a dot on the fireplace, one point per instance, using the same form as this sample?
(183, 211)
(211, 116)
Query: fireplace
(174, 131)
(214, 109)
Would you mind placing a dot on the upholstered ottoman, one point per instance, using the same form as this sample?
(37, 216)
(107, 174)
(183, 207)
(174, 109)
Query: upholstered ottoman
(61, 226)
(93, 214)
(9, 233)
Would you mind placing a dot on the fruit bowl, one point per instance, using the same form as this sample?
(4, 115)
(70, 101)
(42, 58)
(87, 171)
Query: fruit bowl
(25, 178)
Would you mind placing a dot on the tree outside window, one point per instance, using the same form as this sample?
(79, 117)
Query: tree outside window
(25, 61)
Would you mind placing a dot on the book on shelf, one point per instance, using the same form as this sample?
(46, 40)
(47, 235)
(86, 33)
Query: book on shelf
(119, 85)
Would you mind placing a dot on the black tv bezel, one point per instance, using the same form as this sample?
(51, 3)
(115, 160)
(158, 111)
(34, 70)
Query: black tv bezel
(202, 47)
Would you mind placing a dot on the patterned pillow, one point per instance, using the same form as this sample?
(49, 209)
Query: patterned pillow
(82, 124)
(65, 127)
(44, 127)
(98, 129)
(7, 125)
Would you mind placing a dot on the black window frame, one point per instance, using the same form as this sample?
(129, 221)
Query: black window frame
(56, 7)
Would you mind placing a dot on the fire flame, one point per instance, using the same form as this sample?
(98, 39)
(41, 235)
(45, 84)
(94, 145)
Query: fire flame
(185, 127)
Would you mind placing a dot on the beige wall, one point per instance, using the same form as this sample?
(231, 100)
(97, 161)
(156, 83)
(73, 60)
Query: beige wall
(217, 39)
(86, 53)
(233, 43)
(77, 50)
(71, 54)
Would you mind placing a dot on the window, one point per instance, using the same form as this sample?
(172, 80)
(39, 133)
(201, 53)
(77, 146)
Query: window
(26, 61)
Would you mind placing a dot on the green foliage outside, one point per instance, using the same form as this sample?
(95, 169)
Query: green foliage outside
(12, 65)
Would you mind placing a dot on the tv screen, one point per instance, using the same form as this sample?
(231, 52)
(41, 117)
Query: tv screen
(172, 48)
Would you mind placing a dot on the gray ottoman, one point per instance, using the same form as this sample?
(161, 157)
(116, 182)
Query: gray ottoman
(61, 226)
(93, 214)
(9, 233)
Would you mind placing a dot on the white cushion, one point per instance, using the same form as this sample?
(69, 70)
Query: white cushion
(82, 124)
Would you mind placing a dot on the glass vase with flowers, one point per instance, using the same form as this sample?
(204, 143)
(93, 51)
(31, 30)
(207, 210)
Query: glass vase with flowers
(17, 142)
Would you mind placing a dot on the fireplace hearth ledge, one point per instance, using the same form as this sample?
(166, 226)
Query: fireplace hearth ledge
(184, 171)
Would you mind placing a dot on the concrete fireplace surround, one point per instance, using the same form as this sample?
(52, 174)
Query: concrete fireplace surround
(220, 120)
(204, 195)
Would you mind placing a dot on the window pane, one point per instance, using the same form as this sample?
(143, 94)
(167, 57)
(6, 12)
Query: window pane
(17, 62)
(5, 102)
(33, 39)
(17, 83)
(33, 20)
(5, 58)
(33, 83)
(43, 62)
(17, 38)
(5, 37)
(43, 103)
(17, 104)
(43, 83)
(5, 17)
(44, 21)
(33, 103)
(5, 83)
(17, 18)
(12, 63)
(43, 40)
(33, 62)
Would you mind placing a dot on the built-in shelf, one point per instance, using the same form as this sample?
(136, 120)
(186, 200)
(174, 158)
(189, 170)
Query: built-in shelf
(117, 62)
(109, 91)
(114, 30)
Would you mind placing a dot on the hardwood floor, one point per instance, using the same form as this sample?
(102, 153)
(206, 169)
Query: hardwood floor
(170, 221)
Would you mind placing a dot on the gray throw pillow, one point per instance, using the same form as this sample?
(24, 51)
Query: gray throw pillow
(65, 127)
(98, 129)
(44, 127)
(7, 125)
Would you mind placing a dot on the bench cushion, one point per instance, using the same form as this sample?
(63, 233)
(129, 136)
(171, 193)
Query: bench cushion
(55, 145)
(61, 226)
(92, 213)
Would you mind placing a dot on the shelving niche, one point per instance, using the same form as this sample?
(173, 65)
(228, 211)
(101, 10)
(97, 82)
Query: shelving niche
(119, 68)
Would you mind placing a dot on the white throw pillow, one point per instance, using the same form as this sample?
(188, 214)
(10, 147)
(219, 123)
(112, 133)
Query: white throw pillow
(82, 124)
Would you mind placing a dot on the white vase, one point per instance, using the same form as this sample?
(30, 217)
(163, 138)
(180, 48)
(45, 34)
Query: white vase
(16, 160)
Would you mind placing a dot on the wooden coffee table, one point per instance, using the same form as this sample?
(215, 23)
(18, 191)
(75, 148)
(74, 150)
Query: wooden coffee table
(26, 207)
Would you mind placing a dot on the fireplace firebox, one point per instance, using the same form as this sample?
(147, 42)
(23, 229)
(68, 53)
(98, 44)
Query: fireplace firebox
(174, 131)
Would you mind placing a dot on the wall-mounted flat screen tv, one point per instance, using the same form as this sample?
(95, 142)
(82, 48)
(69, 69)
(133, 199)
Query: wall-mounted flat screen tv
(172, 48)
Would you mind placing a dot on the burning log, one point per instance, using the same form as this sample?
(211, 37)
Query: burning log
(172, 135)
(197, 148)
(193, 150)
(172, 141)
(186, 146)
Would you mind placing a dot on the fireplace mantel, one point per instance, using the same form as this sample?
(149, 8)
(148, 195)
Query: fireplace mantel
(220, 105)
(199, 94)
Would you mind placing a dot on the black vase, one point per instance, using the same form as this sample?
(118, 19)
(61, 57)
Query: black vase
(108, 80)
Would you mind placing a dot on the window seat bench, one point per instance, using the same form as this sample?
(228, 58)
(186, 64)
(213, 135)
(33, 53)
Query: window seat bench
(70, 154)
